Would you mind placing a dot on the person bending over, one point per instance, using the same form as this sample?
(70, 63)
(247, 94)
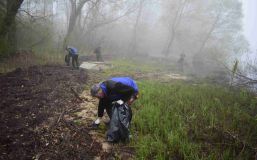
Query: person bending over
(111, 90)
(73, 53)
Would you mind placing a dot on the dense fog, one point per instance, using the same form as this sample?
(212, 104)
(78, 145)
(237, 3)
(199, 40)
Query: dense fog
(208, 33)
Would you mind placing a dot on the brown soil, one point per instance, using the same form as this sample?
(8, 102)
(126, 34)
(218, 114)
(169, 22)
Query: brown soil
(36, 115)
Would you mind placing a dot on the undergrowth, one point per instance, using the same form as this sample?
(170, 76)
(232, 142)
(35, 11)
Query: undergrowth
(182, 121)
(27, 59)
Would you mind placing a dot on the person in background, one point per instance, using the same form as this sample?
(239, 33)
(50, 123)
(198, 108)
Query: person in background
(73, 53)
(111, 90)
(181, 62)
(97, 51)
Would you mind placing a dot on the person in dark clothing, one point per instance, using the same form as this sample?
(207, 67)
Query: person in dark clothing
(123, 89)
(97, 51)
(181, 62)
(73, 53)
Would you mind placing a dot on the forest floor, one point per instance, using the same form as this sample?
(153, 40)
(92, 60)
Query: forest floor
(45, 113)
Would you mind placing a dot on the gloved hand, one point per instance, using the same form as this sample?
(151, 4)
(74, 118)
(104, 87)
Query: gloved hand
(131, 100)
(120, 102)
(94, 125)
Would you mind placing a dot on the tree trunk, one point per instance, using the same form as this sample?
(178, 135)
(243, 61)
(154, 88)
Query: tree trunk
(209, 34)
(12, 38)
(8, 28)
(2, 9)
(75, 11)
(174, 25)
(12, 9)
(134, 38)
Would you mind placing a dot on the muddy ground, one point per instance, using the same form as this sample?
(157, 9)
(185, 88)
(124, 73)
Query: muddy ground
(44, 114)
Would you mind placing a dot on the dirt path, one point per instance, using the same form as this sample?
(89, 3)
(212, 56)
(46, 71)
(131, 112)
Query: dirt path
(86, 116)
(46, 113)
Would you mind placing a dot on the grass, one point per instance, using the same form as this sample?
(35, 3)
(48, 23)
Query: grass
(130, 67)
(181, 121)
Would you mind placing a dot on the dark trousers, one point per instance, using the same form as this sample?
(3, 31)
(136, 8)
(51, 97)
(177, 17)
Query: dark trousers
(104, 104)
(99, 57)
(75, 63)
(67, 59)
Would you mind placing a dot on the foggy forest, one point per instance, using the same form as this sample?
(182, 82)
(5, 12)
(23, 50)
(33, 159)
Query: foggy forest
(128, 79)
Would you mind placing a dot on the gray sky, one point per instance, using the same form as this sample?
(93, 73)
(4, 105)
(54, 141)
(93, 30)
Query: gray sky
(250, 22)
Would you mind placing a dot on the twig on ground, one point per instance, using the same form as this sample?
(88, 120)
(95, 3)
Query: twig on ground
(76, 94)
(61, 116)
(92, 144)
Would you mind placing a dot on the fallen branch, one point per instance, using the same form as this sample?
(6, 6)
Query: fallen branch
(61, 116)
(76, 94)
(92, 144)
(57, 120)
(236, 139)
(243, 80)
(73, 127)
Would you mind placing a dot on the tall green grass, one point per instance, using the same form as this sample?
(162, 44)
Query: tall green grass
(182, 121)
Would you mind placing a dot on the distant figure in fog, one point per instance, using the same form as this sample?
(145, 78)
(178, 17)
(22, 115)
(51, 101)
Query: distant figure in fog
(73, 53)
(97, 51)
(181, 62)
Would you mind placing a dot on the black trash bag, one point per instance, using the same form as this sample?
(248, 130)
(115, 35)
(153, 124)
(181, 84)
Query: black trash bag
(119, 124)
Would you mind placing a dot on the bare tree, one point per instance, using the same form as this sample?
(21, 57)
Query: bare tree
(173, 26)
(135, 34)
(9, 17)
(97, 17)
(8, 26)
(76, 8)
